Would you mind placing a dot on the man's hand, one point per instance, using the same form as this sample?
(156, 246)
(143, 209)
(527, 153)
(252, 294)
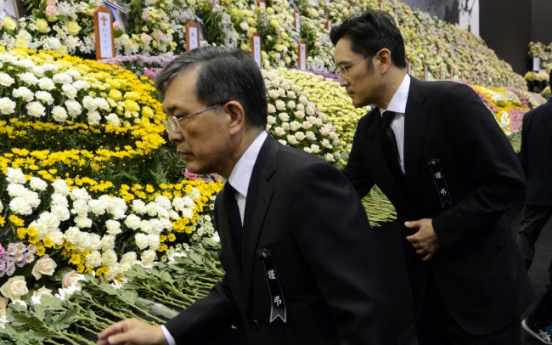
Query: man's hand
(134, 332)
(425, 241)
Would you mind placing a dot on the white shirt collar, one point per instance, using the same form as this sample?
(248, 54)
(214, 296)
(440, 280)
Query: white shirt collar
(241, 174)
(398, 102)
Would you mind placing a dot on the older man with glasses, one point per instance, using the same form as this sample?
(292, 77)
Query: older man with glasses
(302, 264)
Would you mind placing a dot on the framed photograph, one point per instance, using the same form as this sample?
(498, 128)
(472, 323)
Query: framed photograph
(14, 9)
(119, 13)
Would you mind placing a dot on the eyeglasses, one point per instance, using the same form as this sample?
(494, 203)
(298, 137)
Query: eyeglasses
(342, 70)
(172, 123)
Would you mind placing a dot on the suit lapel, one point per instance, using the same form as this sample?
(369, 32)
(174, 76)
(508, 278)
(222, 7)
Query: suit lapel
(415, 128)
(259, 196)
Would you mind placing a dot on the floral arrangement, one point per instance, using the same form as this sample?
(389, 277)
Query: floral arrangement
(76, 140)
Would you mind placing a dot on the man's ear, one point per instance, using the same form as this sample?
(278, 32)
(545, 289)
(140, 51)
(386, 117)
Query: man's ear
(236, 114)
(384, 58)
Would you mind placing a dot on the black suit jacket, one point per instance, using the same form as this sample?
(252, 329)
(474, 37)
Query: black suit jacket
(333, 277)
(478, 269)
(536, 157)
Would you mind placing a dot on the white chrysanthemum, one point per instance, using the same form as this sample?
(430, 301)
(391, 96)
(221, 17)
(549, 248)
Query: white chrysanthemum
(62, 78)
(117, 207)
(81, 85)
(74, 108)
(49, 67)
(19, 205)
(94, 118)
(49, 220)
(138, 206)
(109, 258)
(82, 221)
(23, 93)
(80, 193)
(6, 80)
(7, 106)
(93, 259)
(59, 113)
(69, 91)
(113, 120)
(113, 227)
(152, 209)
(61, 212)
(145, 226)
(90, 103)
(129, 258)
(46, 83)
(102, 104)
(58, 198)
(141, 241)
(107, 243)
(14, 175)
(80, 207)
(97, 207)
(1, 207)
(38, 184)
(148, 258)
(38, 71)
(45, 97)
(132, 221)
(153, 241)
(36, 109)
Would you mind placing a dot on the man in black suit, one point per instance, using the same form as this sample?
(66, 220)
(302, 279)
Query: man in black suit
(536, 160)
(302, 264)
(440, 157)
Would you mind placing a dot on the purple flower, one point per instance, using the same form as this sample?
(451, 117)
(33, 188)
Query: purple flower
(29, 257)
(1, 250)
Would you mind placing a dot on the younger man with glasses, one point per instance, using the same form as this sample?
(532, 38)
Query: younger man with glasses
(302, 264)
(440, 157)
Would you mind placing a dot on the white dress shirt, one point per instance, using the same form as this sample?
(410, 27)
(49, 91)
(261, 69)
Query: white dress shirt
(398, 105)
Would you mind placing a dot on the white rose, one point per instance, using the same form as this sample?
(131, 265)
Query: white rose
(300, 135)
(3, 305)
(280, 105)
(291, 94)
(283, 117)
(271, 109)
(279, 131)
(14, 288)
(40, 292)
(291, 105)
(329, 157)
(7, 106)
(274, 94)
(310, 135)
(1, 207)
(299, 114)
(44, 266)
(70, 279)
(292, 140)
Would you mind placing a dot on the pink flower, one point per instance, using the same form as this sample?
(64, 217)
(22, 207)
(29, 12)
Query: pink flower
(1, 250)
(189, 174)
(116, 26)
(158, 35)
(145, 15)
(51, 11)
(51, 2)
(146, 39)
(149, 73)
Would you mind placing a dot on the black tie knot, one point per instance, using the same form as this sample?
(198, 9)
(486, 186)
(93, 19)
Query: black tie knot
(387, 118)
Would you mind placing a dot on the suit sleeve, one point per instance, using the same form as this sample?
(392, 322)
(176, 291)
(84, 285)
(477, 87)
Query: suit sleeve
(332, 231)
(487, 157)
(524, 154)
(355, 170)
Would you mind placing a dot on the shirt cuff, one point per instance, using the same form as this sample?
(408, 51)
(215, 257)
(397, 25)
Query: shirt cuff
(168, 336)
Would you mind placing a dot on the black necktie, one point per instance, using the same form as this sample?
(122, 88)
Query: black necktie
(390, 150)
(234, 219)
